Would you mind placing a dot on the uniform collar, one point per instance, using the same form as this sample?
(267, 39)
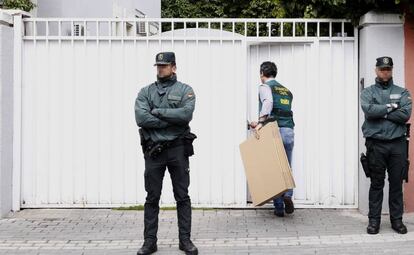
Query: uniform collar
(166, 82)
(382, 84)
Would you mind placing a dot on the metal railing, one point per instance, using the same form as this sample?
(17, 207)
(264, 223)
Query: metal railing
(185, 29)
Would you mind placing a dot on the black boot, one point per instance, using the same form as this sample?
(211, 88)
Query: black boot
(188, 247)
(279, 213)
(373, 227)
(289, 207)
(148, 247)
(399, 227)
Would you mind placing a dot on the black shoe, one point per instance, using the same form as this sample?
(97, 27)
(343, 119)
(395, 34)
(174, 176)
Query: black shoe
(399, 227)
(373, 227)
(289, 207)
(188, 247)
(279, 213)
(147, 248)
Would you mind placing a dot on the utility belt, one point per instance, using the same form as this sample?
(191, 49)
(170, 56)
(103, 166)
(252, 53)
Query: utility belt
(365, 159)
(374, 140)
(154, 149)
(277, 112)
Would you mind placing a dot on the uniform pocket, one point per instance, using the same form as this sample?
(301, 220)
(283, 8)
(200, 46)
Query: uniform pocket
(174, 100)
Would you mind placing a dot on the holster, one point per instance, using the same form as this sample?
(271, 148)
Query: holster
(406, 171)
(365, 165)
(143, 140)
(188, 140)
(407, 165)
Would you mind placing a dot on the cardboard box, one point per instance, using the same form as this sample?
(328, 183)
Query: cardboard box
(266, 165)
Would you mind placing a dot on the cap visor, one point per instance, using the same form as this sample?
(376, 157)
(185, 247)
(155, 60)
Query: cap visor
(161, 63)
(383, 65)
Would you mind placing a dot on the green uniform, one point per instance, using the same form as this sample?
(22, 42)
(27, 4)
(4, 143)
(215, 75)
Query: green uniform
(381, 123)
(282, 104)
(164, 109)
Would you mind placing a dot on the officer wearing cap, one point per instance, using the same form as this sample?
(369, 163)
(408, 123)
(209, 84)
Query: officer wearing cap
(163, 111)
(387, 108)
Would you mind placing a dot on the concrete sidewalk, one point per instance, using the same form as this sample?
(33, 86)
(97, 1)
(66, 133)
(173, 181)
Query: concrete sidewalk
(104, 231)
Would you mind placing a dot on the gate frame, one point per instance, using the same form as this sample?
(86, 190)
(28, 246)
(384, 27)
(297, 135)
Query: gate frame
(20, 35)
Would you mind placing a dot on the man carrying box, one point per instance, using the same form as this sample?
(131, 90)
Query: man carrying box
(275, 102)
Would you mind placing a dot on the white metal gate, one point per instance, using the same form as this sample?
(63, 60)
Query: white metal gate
(79, 79)
(322, 77)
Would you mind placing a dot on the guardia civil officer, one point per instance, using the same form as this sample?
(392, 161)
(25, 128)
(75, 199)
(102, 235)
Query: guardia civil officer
(275, 103)
(387, 108)
(163, 111)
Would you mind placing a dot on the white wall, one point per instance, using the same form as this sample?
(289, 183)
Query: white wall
(381, 35)
(6, 118)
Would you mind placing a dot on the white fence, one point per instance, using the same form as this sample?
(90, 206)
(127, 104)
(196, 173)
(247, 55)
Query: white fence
(79, 141)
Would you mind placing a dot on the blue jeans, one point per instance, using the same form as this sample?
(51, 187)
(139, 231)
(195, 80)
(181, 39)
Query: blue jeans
(288, 137)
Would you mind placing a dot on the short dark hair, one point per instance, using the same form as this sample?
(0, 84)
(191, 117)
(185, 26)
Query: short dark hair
(268, 69)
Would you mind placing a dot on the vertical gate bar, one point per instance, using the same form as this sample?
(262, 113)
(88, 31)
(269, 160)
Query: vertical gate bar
(209, 34)
(35, 29)
(233, 30)
(72, 30)
(269, 24)
(316, 195)
(356, 80)
(85, 53)
(197, 26)
(97, 30)
(60, 75)
(60, 30)
(330, 29)
(331, 180)
(221, 32)
(172, 34)
(305, 157)
(34, 179)
(344, 90)
(111, 197)
(99, 177)
(185, 29)
(318, 29)
(159, 33)
(72, 45)
(48, 114)
(109, 30)
(137, 74)
(84, 30)
(17, 111)
(306, 29)
(294, 29)
(281, 29)
(122, 100)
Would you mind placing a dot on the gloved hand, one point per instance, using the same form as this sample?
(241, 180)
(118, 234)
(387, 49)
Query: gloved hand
(392, 106)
